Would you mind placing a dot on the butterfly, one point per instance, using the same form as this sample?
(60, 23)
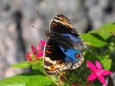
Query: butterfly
(64, 48)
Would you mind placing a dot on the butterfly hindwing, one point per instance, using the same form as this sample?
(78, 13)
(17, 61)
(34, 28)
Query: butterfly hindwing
(58, 58)
(54, 57)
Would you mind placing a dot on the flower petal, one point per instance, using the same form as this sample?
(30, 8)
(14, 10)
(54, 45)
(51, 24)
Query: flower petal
(28, 56)
(91, 66)
(33, 49)
(39, 55)
(43, 42)
(106, 72)
(39, 48)
(102, 79)
(92, 76)
(98, 64)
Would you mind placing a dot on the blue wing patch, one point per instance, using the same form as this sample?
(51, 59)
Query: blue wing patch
(72, 54)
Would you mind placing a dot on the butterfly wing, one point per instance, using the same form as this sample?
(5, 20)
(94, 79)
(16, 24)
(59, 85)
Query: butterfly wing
(73, 56)
(64, 48)
(68, 39)
(53, 58)
(61, 26)
(58, 58)
(76, 42)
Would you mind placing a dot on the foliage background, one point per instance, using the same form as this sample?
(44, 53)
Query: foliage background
(18, 17)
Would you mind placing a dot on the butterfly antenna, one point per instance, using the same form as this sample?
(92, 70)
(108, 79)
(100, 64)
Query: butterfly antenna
(38, 14)
(40, 20)
(38, 29)
(35, 28)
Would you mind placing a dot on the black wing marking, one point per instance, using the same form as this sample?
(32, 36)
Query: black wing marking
(53, 50)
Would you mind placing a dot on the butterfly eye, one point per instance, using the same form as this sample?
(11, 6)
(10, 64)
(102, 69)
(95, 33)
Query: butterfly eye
(60, 62)
(77, 55)
(52, 67)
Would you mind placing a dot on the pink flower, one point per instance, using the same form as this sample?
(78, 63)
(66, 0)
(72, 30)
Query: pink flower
(97, 72)
(36, 53)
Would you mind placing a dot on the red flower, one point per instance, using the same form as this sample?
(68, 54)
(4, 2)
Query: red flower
(36, 53)
(97, 72)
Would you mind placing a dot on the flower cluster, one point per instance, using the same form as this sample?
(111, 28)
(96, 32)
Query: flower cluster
(36, 53)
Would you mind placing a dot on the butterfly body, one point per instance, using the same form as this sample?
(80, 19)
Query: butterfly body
(63, 50)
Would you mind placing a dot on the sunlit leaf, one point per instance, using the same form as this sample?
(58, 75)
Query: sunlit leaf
(26, 80)
(92, 40)
(102, 57)
(106, 30)
(106, 63)
(109, 27)
(21, 65)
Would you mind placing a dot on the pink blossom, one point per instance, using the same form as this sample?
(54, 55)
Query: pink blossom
(36, 53)
(97, 72)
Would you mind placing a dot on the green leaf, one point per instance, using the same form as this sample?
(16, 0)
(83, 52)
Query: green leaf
(38, 68)
(106, 63)
(39, 81)
(26, 80)
(104, 35)
(109, 27)
(93, 40)
(14, 81)
(106, 30)
(102, 57)
(21, 65)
